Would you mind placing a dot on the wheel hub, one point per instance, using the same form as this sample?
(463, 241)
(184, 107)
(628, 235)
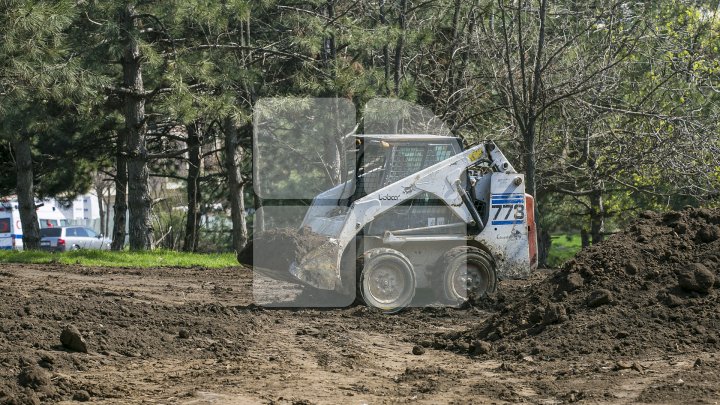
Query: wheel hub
(468, 277)
(386, 284)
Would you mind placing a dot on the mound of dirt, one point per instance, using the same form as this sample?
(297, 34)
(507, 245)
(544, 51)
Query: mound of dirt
(651, 289)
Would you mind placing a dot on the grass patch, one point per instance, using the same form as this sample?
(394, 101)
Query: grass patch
(105, 258)
(564, 247)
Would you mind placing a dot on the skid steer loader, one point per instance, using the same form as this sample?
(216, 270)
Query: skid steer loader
(420, 212)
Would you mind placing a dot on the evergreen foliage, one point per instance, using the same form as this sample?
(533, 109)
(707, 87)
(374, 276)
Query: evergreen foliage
(608, 106)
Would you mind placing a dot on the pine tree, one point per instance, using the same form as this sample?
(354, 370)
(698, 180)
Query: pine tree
(39, 79)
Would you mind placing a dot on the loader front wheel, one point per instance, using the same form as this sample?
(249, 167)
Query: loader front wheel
(466, 273)
(387, 280)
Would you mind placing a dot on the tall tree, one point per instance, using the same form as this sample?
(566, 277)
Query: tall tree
(36, 74)
(134, 45)
(139, 201)
(235, 157)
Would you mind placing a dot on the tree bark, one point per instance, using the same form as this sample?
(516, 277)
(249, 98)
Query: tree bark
(529, 161)
(25, 195)
(234, 155)
(259, 217)
(120, 207)
(386, 49)
(530, 136)
(139, 200)
(399, 47)
(192, 224)
(100, 191)
(333, 149)
(329, 51)
(107, 214)
(533, 106)
(597, 217)
(544, 245)
(584, 238)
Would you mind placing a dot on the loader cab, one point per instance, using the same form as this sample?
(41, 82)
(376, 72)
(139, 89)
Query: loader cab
(385, 159)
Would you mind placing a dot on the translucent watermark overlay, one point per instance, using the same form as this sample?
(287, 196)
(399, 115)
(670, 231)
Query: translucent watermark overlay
(344, 215)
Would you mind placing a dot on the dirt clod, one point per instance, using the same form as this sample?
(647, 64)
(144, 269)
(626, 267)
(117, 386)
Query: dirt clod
(33, 377)
(598, 298)
(184, 334)
(709, 233)
(81, 396)
(71, 339)
(418, 350)
(479, 347)
(572, 282)
(554, 313)
(696, 277)
(310, 331)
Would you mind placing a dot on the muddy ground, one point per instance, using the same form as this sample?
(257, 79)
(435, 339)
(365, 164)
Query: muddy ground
(193, 336)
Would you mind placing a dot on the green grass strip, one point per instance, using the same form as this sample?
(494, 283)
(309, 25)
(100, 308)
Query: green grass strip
(104, 258)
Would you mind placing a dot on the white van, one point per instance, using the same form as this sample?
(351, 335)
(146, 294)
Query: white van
(11, 228)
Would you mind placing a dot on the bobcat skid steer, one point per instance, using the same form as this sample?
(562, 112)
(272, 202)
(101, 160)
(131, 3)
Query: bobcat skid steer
(420, 213)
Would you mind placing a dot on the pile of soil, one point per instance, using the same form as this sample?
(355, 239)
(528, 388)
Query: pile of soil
(651, 289)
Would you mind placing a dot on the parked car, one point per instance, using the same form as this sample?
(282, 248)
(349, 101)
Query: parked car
(11, 234)
(72, 238)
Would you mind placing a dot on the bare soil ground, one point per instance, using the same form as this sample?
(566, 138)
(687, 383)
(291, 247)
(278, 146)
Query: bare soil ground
(193, 336)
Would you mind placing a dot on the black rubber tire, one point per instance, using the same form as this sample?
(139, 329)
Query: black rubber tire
(449, 275)
(386, 272)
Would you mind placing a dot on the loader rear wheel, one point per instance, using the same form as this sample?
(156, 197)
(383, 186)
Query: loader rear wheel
(387, 280)
(465, 273)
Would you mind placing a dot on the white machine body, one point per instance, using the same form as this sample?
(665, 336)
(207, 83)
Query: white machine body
(480, 176)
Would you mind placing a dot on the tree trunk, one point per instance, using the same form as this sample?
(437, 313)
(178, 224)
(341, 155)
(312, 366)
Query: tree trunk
(259, 217)
(597, 217)
(399, 47)
(329, 51)
(533, 106)
(101, 207)
(530, 138)
(584, 238)
(192, 224)
(107, 214)
(234, 155)
(120, 207)
(529, 154)
(451, 77)
(333, 149)
(386, 49)
(529, 160)
(139, 200)
(25, 196)
(544, 245)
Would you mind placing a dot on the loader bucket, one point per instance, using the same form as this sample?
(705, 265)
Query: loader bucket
(294, 255)
(319, 266)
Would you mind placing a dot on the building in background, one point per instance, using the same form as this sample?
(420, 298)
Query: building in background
(83, 210)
